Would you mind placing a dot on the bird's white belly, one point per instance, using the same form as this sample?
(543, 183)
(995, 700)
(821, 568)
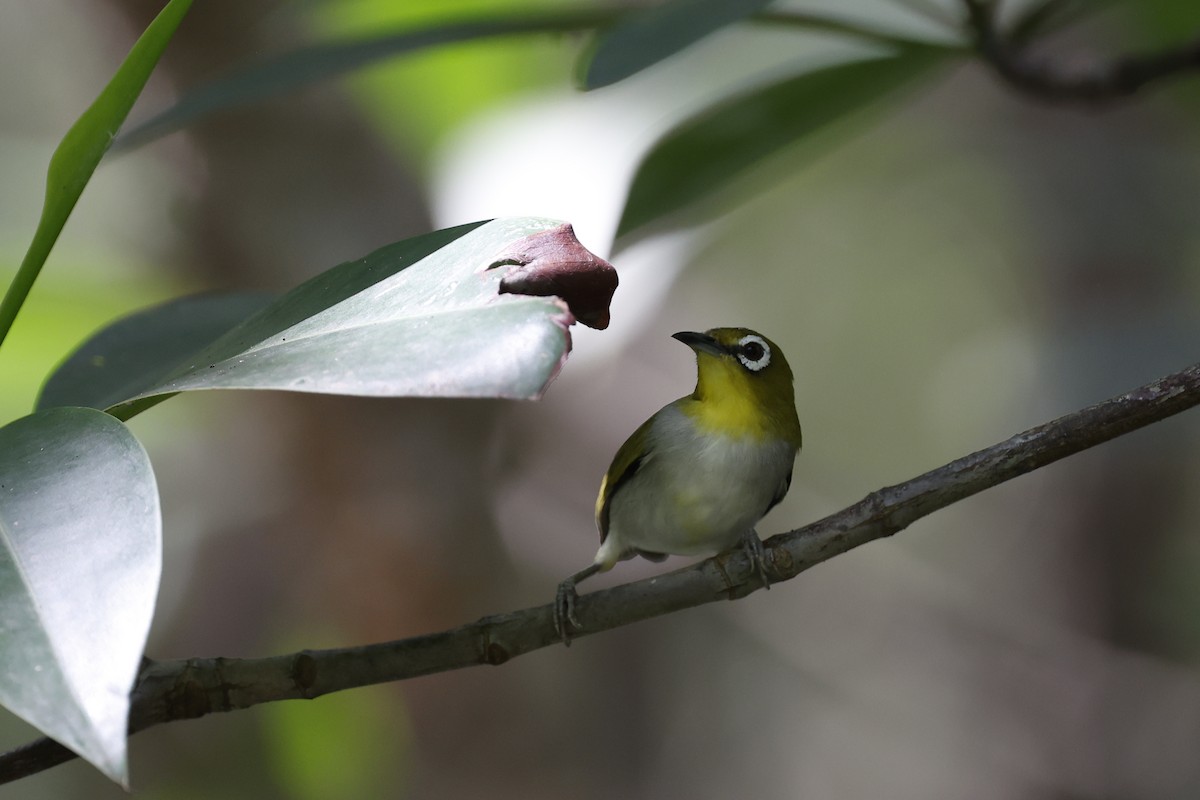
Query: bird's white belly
(699, 496)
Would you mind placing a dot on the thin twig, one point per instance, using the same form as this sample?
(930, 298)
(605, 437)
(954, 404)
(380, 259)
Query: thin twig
(184, 689)
(1104, 81)
(1039, 18)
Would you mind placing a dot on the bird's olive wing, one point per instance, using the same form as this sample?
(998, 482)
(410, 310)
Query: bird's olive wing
(625, 464)
(780, 491)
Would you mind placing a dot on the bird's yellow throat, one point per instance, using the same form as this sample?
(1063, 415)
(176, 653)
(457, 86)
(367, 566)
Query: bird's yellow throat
(730, 402)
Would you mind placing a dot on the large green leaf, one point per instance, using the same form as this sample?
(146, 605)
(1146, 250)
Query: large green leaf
(428, 316)
(80, 559)
(706, 152)
(76, 157)
(645, 37)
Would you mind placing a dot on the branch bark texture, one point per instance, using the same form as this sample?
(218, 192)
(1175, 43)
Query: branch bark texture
(195, 687)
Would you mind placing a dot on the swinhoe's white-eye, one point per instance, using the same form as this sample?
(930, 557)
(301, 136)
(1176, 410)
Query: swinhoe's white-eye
(697, 476)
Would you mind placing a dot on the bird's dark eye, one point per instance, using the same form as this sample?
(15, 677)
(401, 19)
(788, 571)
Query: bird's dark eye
(754, 352)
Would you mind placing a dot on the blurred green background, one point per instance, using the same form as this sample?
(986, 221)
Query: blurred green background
(969, 265)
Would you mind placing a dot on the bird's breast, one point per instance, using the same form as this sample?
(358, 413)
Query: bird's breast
(699, 492)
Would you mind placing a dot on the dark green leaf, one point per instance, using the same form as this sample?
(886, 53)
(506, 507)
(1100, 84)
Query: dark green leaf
(291, 71)
(643, 38)
(706, 152)
(80, 558)
(134, 353)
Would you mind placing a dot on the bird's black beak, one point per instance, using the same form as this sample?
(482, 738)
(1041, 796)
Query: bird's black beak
(700, 342)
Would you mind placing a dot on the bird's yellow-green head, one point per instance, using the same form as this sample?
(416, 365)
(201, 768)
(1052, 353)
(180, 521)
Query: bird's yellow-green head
(743, 385)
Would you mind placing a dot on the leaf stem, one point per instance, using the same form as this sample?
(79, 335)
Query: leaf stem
(80, 151)
(22, 282)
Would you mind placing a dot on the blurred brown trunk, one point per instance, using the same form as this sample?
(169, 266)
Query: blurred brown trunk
(383, 528)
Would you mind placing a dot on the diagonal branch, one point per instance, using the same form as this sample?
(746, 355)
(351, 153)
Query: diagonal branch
(1105, 81)
(184, 689)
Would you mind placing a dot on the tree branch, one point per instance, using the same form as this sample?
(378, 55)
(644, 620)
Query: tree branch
(185, 689)
(1116, 79)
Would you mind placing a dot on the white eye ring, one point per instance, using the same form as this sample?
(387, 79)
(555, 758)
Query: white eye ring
(754, 365)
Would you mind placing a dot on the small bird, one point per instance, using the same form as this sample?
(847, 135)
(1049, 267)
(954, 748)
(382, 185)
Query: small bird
(697, 476)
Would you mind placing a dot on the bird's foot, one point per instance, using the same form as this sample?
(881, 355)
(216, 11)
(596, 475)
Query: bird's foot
(754, 550)
(565, 620)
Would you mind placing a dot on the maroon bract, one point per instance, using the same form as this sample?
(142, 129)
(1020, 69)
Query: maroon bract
(553, 262)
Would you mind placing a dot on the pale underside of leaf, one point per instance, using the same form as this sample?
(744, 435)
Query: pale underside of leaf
(424, 317)
(80, 559)
(439, 327)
